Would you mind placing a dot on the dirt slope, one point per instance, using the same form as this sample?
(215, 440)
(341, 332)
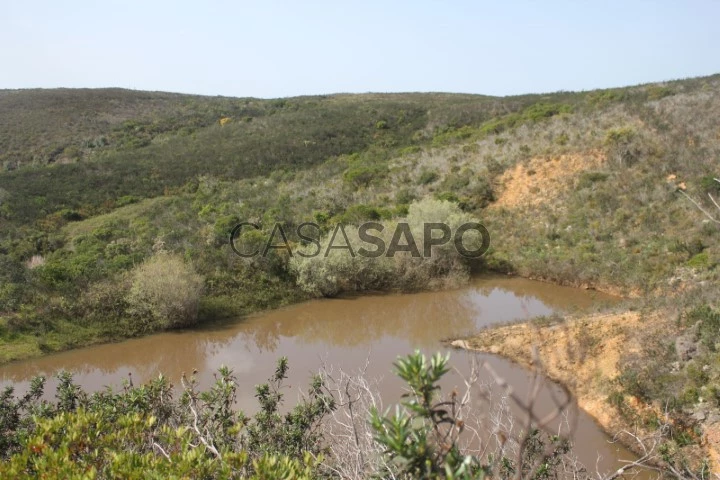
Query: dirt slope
(583, 354)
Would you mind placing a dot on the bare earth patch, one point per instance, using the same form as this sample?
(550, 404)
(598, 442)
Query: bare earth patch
(541, 180)
(583, 354)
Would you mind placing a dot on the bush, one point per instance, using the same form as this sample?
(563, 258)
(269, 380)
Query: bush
(479, 195)
(223, 227)
(404, 196)
(699, 261)
(340, 271)
(104, 302)
(422, 438)
(358, 213)
(447, 197)
(427, 177)
(541, 110)
(656, 92)
(588, 179)
(144, 432)
(601, 98)
(708, 184)
(70, 215)
(363, 171)
(451, 135)
(456, 181)
(165, 293)
(334, 270)
(709, 325)
(620, 144)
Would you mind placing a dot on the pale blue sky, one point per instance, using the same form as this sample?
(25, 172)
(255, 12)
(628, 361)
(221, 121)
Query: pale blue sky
(277, 48)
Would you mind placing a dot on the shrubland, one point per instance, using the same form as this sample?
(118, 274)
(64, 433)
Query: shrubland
(403, 257)
(113, 203)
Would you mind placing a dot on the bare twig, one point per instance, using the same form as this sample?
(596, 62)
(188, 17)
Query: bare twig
(162, 451)
(192, 405)
(707, 214)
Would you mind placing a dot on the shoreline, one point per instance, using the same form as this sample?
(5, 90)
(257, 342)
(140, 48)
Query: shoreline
(582, 354)
(553, 343)
(93, 337)
(620, 292)
(100, 337)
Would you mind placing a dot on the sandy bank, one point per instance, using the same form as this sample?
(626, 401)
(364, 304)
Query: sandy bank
(583, 354)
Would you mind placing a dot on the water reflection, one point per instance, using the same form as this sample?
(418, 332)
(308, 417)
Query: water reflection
(342, 332)
(418, 320)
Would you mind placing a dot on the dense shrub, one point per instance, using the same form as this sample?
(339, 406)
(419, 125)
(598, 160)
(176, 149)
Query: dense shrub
(334, 270)
(105, 302)
(708, 184)
(479, 195)
(164, 293)
(588, 179)
(621, 146)
(427, 176)
(541, 110)
(356, 214)
(455, 182)
(360, 174)
(708, 320)
(144, 432)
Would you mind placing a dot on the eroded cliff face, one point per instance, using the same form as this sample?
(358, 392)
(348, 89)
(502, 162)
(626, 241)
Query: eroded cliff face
(584, 354)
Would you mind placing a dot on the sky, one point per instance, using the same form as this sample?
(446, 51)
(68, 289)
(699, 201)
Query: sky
(274, 49)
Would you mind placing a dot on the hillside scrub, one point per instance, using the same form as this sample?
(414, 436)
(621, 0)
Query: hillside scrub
(594, 189)
(405, 260)
(168, 172)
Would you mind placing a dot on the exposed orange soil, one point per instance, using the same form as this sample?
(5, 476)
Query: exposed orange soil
(542, 180)
(583, 354)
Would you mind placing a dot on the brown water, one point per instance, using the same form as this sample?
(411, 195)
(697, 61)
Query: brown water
(342, 332)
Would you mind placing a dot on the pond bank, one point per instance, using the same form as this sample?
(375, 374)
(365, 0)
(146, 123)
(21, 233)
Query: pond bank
(582, 353)
(359, 333)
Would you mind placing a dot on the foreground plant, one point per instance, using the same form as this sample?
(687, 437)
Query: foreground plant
(423, 438)
(143, 432)
(336, 430)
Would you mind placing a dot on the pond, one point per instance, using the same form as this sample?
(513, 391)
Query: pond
(346, 333)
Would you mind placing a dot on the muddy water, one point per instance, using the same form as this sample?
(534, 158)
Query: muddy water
(345, 333)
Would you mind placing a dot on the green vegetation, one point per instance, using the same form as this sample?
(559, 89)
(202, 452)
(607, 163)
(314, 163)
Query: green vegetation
(116, 209)
(143, 432)
(346, 264)
(164, 292)
(96, 182)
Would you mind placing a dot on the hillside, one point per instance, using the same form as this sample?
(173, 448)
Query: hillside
(100, 187)
(573, 187)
